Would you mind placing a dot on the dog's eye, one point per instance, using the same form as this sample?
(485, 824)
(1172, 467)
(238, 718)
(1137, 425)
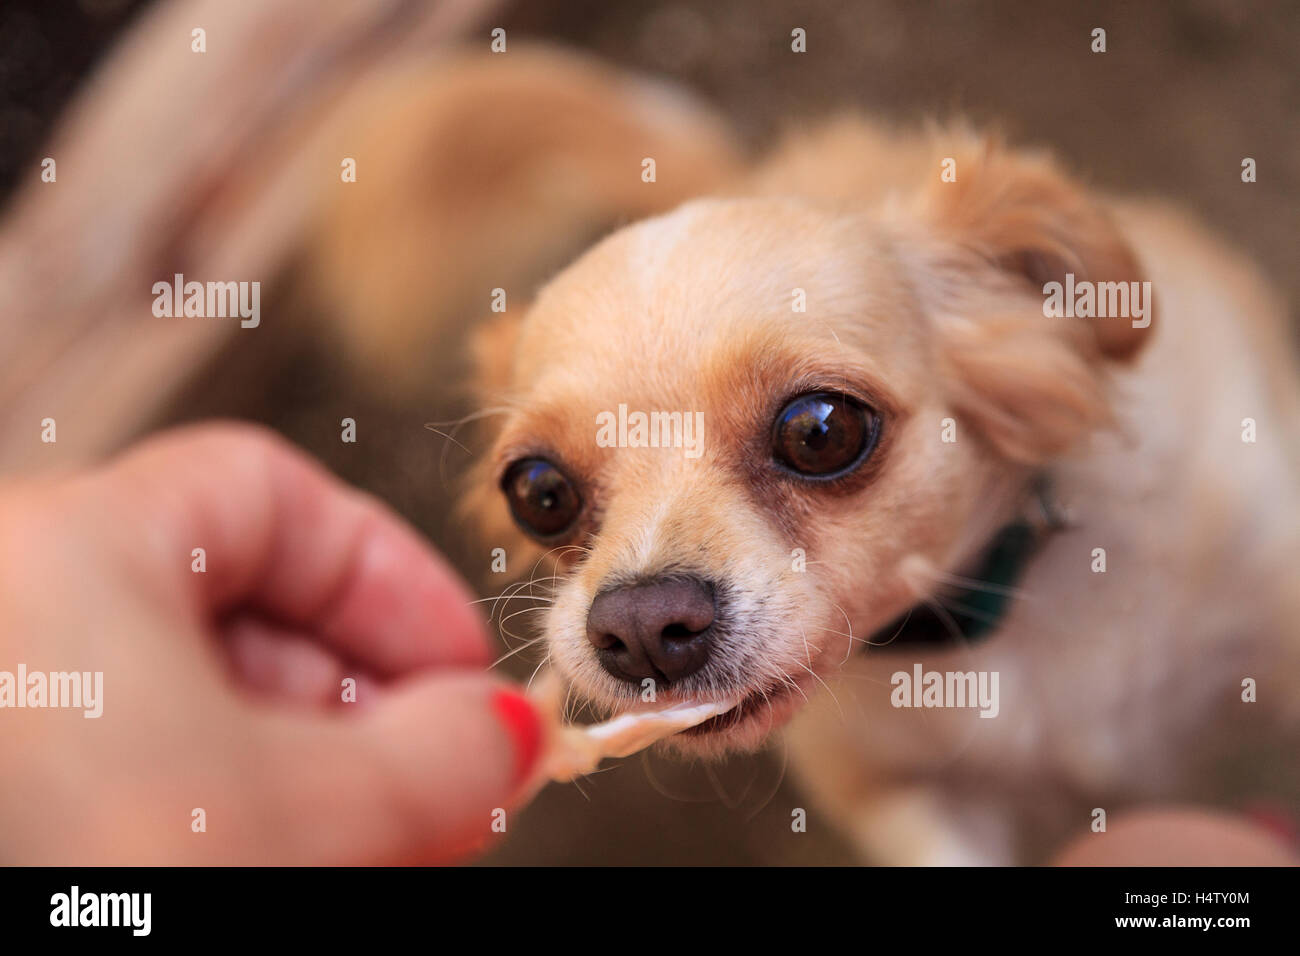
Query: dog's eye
(543, 501)
(823, 434)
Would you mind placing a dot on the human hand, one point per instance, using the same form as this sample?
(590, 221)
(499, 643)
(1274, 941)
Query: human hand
(222, 689)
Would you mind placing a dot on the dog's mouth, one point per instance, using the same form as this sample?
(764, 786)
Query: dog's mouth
(773, 702)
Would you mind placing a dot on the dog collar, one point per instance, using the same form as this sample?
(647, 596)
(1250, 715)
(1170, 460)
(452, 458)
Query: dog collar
(959, 614)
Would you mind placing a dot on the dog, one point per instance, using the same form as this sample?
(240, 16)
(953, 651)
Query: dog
(919, 470)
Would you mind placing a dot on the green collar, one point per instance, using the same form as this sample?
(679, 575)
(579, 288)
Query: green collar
(968, 613)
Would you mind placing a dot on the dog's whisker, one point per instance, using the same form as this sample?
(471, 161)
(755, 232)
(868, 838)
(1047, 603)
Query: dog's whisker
(893, 637)
(966, 609)
(948, 621)
(542, 606)
(471, 417)
(515, 591)
(449, 437)
(974, 584)
(578, 787)
(850, 636)
(506, 594)
(785, 680)
(456, 426)
(510, 597)
(511, 653)
(848, 652)
(807, 651)
(562, 550)
(817, 677)
(514, 614)
(537, 670)
(540, 582)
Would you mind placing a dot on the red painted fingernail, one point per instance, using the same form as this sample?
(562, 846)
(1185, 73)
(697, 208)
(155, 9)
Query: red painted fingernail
(525, 728)
(1275, 819)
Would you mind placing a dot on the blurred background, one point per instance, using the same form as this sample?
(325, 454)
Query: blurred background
(169, 171)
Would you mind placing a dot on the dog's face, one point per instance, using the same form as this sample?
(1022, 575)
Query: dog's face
(799, 370)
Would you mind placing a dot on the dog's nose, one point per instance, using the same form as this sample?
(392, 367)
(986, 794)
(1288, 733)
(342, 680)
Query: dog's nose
(658, 629)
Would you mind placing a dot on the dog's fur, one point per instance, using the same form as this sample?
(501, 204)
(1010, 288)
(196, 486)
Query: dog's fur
(924, 299)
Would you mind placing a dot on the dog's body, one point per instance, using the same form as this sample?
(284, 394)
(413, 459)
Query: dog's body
(1131, 680)
(1120, 670)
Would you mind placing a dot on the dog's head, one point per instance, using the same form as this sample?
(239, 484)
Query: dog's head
(753, 431)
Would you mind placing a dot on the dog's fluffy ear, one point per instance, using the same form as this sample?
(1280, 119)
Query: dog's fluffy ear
(1022, 214)
(1009, 224)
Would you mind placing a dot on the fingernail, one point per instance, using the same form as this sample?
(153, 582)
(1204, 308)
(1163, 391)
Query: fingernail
(524, 726)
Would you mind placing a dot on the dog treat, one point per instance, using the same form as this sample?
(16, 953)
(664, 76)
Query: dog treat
(574, 750)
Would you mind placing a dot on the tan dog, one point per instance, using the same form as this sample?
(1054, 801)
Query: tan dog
(870, 433)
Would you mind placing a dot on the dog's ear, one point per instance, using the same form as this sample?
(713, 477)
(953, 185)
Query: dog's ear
(1023, 215)
(1010, 224)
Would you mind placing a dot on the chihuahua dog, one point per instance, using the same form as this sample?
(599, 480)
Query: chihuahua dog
(978, 485)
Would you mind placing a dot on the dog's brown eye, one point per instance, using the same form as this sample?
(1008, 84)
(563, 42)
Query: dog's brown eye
(543, 501)
(823, 435)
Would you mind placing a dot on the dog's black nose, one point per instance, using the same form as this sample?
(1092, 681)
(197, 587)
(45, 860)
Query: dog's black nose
(659, 629)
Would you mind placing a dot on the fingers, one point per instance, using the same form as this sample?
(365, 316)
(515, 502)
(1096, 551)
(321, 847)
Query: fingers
(1178, 836)
(291, 667)
(419, 778)
(281, 535)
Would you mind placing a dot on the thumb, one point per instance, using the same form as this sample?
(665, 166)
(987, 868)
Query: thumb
(420, 776)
